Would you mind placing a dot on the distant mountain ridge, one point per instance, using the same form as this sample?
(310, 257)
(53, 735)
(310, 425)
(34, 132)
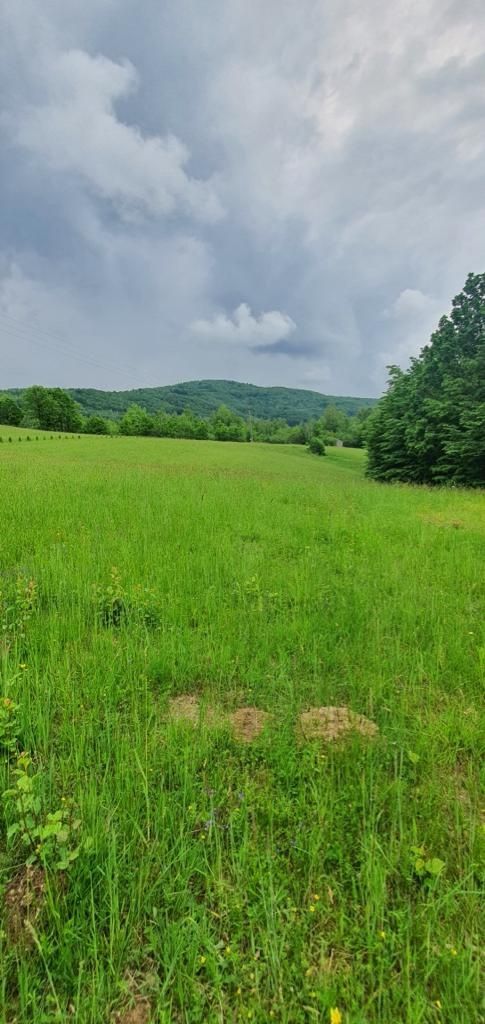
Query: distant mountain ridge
(203, 397)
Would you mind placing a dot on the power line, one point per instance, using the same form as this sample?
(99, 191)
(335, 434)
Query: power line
(39, 337)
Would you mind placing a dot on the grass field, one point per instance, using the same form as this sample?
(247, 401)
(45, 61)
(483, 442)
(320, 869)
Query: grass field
(212, 879)
(30, 434)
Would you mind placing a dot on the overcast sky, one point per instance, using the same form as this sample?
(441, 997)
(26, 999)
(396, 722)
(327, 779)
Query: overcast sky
(278, 191)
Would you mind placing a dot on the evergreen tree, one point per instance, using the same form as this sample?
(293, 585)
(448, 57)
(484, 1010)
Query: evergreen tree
(430, 425)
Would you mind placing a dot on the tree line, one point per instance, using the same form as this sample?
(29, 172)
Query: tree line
(429, 428)
(54, 409)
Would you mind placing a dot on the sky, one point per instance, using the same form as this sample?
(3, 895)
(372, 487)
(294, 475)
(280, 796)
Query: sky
(285, 193)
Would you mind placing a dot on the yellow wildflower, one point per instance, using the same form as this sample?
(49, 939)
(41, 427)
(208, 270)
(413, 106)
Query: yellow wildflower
(202, 959)
(335, 1016)
(311, 908)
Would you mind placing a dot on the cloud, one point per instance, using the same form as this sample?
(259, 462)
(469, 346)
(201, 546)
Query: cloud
(294, 349)
(243, 328)
(76, 131)
(325, 160)
(411, 302)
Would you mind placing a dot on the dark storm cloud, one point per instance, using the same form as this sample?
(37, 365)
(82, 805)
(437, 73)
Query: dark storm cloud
(293, 349)
(187, 186)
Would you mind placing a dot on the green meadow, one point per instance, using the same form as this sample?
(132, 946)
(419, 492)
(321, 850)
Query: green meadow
(158, 864)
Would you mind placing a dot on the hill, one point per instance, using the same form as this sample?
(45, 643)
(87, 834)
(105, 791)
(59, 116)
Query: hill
(203, 397)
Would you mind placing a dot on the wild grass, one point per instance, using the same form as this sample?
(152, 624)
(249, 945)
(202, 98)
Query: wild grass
(218, 881)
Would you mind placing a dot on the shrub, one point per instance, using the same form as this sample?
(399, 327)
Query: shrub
(316, 445)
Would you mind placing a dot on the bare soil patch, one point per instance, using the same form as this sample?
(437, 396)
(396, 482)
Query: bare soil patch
(248, 723)
(188, 708)
(185, 708)
(24, 900)
(334, 723)
(140, 1013)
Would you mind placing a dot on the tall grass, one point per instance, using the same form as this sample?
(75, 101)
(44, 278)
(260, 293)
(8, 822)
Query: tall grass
(227, 881)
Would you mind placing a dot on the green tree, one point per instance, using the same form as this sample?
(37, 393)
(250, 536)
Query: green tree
(334, 420)
(430, 425)
(96, 425)
(50, 409)
(227, 426)
(137, 421)
(10, 411)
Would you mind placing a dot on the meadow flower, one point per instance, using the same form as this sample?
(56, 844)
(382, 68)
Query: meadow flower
(312, 908)
(202, 959)
(335, 1016)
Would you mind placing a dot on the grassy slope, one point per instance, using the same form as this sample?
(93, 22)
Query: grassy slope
(25, 433)
(283, 581)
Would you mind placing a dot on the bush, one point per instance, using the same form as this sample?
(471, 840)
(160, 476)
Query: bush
(316, 445)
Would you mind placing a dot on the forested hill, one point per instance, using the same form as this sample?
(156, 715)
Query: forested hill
(203, 397)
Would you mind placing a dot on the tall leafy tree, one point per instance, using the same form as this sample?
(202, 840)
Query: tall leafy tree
(227, 426)
(136, 421)
(10, 411)
(50, 409)
(430, 425)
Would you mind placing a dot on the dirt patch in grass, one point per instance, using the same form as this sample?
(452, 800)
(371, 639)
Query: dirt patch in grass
(188, 708)
(248, 723)
(331, 724)
(185, 708)
(140, 1013)
(24, 901)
